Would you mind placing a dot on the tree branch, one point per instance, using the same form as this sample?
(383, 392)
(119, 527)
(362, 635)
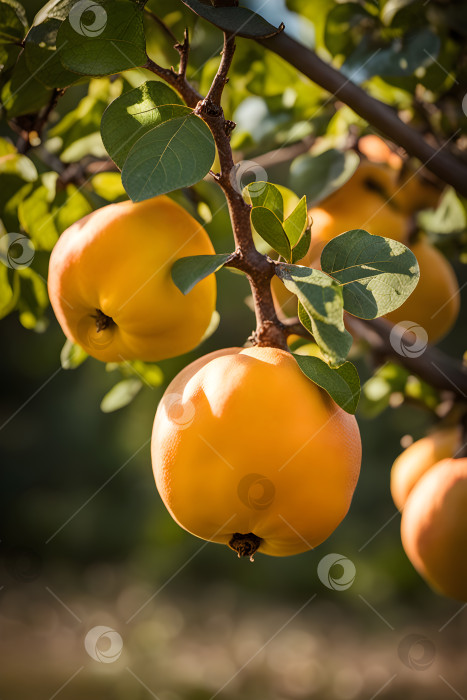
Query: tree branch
(384, 118)
(258, 268)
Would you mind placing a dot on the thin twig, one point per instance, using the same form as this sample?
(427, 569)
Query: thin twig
(37, 123)
(184, 51)
(175, 80)
(161, 24)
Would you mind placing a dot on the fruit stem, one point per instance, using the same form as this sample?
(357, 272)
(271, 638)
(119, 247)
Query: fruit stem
(245, 545)
(102, 321)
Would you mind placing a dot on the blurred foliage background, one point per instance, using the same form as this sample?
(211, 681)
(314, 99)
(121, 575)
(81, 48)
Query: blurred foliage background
(85, 539)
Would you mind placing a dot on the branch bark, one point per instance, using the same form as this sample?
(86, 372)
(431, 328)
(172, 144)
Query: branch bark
(258, 268)
(384, 118)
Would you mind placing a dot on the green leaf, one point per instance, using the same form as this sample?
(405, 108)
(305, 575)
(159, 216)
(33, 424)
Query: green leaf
(33, 299)
(341, 383)
(344, 27)
(13, 22)
(135, 113)
(19, 165)
(321, 298)
(24, 93)
(9, 289)
(295, 224)
(60, 9)
(237, 20)
(377, 391)
(45, 213)
(319, 176)
(416, 49)
(377, 274)
(102, 39)
(175, 154)
(269, 227)
(448, 217)
(42, 57)
(264, 194)
(187, 272)
(57, 9)
(301, 249)
(121, 394)
(79, 129)
(72, 355)
(108, 186)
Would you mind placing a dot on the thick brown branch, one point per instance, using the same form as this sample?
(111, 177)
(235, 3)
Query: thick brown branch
(440, 162)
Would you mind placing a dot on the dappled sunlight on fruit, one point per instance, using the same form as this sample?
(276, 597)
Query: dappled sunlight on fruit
(110, 284)
(434, 527)
(418, 458)
(223, 485)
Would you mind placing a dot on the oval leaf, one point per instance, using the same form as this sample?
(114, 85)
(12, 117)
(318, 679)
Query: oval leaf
(120, 395)
(175, 154)
(102, 39)
(322, 302)
(135, 113)
(377, 274)
(13, 22)
(72, 355)
(237, 20)
(264, 194)
(187, 272)
(295, 224)
(301, 249)
(42, 57)
(341, 383)
(319, 176)
(268, 226)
